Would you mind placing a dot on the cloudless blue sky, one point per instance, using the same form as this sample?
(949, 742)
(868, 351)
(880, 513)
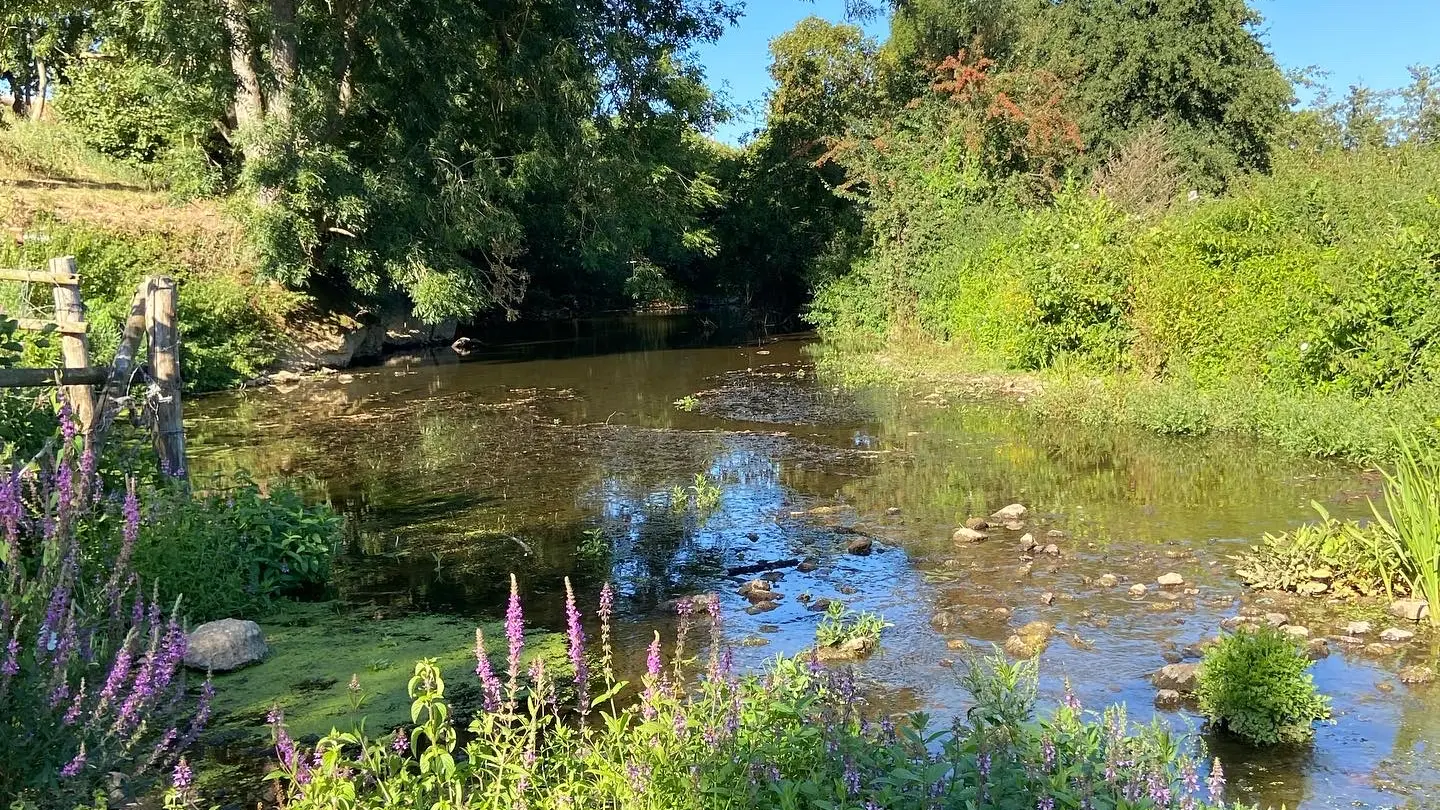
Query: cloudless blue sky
(1358, 41)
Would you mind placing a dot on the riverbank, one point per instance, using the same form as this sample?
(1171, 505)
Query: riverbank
(1317, 423)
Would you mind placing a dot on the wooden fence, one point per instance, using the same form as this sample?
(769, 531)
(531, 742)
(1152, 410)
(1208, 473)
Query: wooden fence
(97, 393)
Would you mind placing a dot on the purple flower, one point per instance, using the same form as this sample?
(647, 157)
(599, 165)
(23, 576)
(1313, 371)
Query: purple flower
(983, 764)
(1190, 776)
(638, 776)
(652, 679)
(605, 611)
(852, 777)
(1047, 749)
(183, 777)
(1047, 803)
(401, 743)
(1070, 701)
(73, 713)
(489, 684)
(514, 633)
(1159, 789)
(1215, 782)
(576, 635)
(12, 657)
(115, 681)
(72, 769)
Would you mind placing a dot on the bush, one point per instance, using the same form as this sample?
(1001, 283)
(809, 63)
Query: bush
(92, 692)
(234, 550)
(793, 737)
(1254, 684)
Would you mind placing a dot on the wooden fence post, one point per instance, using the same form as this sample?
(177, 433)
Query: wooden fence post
(118, 382)
(74, 348)
(164, 339)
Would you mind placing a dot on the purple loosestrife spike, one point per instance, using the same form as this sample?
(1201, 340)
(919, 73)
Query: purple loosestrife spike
(685, 607)
(1159, 789)
(401, 743)
(115, 681)
(1046, 803)
(1190, 776)
(72, 769)
(489, 684)
(712, 608)
(1215, 782)
(73, 713)
(852, 777)
(514, 634)
(183, 777)
(12, 656)
(652, 679)
(606, 610)
(1047, 749)
(575, 632)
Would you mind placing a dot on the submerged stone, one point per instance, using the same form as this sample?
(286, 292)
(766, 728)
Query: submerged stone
(967, 535)
(1396, 635)
(1182, 678)
(1417, 674)
(1170, 580)
(1014, 511)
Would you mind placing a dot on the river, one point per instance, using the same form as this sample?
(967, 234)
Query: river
(556, 451)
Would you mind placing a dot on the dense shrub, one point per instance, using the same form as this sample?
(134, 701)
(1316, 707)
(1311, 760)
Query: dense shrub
(1254, 684)
(234, 549)
(794, 737)
(92, 692)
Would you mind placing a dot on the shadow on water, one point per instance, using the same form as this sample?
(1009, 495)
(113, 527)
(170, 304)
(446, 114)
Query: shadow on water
(564, 454)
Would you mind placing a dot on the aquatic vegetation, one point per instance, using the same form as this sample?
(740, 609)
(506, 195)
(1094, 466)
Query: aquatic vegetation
(841, 625)
(687, 403)
(793, 736)
(234, 549)
(1329, 557)
(1255, 684)
(707, 492)
(1412, 499)
(91, 683)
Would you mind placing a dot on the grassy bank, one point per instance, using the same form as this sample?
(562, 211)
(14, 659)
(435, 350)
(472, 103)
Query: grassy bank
(58, 198)
(1300, 308)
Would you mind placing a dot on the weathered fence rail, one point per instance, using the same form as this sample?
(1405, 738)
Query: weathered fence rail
(95, 392)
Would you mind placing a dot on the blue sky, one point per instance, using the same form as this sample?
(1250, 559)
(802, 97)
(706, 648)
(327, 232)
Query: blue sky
(1357, 41)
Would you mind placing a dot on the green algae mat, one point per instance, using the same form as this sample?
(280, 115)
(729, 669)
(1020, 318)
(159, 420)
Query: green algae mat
(336, 667)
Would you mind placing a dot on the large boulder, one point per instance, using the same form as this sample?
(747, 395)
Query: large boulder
(1412, 609)
(1182, 678)
(1014, 511)
(223, 645)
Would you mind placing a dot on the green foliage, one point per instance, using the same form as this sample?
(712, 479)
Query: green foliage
(139, 112)
(1332, 556)
(794, 738)
(687, 403)
(1254, 684)
(841, 625)
(1412, 499)
(235, 550)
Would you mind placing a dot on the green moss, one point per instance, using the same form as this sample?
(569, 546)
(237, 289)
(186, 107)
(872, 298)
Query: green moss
(315, 649)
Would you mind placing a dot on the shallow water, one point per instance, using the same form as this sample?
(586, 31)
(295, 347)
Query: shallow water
(554, 453)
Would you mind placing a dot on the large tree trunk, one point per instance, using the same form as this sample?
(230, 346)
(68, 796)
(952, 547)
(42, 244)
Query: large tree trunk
(42, 82)
(248, 104)
(284, 56)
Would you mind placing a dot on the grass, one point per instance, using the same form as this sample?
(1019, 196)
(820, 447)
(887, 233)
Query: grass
(841, 625)
(1412, 500)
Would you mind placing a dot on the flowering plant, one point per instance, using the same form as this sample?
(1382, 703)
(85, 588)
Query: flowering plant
(91, 680)
(796, 736)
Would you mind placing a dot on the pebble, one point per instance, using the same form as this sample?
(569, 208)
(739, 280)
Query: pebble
(968, 535)
(894, 510)
(1014, 511)
(1138, 589)
(1052, 549)
(755, 641)
(1027, 542)
(860, 546)
(846, 589)
(1056, 534)
(1014, 526)
(1395, 634)
(1277, 619)
(1411, 609)
(979, 524)
(1047, 598)
(820, 605)
(769, 628)
(761, 607)
(1107, 581)
(957, 644)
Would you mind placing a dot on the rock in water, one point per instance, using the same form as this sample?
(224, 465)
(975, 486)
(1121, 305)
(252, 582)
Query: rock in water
(1107, 581)
(1014, 511)
(223, 645)
(1395, 634)
(1168, 699)
(964, 535)
(1417, 674)
(860, 545)
(1138, 589)
(1413, 609)
(1027, 542)
(1358, 628)
(979, 524)
(1182, 678)
(1170, 580)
